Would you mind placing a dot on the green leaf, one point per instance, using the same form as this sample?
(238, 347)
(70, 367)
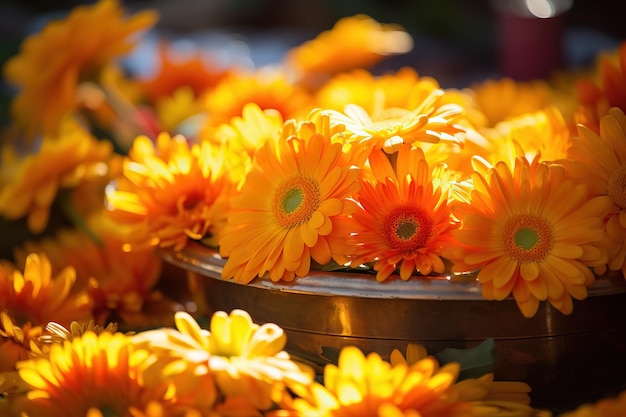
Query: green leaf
(475, 362)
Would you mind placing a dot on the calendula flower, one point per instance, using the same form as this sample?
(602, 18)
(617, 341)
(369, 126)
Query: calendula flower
(37, 296)
(171, 192)
(369, 386)
(533, 233)
(599, 161)
(504, 98)
(404, 220)
(605, 407)
(62, 162)
(247, 360)
(103, 371)
(388, 128)
(353, 42)
(285, 211)
(53, 62)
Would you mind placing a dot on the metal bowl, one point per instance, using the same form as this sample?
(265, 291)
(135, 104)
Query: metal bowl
(566, 359)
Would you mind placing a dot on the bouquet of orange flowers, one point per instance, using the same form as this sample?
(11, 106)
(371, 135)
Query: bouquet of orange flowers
(312, 163)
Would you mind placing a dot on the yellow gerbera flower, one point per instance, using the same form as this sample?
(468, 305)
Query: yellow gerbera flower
(62, 162)
(400, 89)
(504, 98)
(285, 212)
(353, 42)
(543, 133)
(269, 88)
(405, 219)
(106, 372)
(55, 60)
(36, 296)
(244, 135)
(247, 360)
(599, 161)
(606, 407)
(427, 121)
(171, 192)
(369, 386)
(533, 233)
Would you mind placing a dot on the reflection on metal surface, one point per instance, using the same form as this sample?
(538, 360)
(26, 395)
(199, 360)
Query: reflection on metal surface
(331, 310)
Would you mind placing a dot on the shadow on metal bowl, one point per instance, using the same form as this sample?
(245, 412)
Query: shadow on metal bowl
(566, 359)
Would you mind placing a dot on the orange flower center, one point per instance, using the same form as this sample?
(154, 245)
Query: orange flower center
(296, 201)
(407, 228)
(527, 238)
(617, 186)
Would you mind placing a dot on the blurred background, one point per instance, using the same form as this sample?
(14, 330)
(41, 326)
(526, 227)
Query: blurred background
(456, 41)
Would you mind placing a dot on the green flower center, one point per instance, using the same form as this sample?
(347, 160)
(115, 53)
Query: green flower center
(616, 187)
(527, 238)
(407, 228)
(292, 200)
(295, 201)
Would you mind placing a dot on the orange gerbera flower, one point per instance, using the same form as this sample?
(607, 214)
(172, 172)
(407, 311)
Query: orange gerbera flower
(353, 42)
(599, 161)
(54, 61)
(597, 97)
(533, 233)
(284, 213)
(62, 162)
(171, 192)
(175, 69)
(405, 219)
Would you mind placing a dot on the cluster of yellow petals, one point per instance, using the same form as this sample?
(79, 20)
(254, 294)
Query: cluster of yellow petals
(53, 62)
(366, 385)
(37, 296)
(171, 192)
(105, 371)
(598, 160)
(62, 162)
(243, 360)
(353, 42)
